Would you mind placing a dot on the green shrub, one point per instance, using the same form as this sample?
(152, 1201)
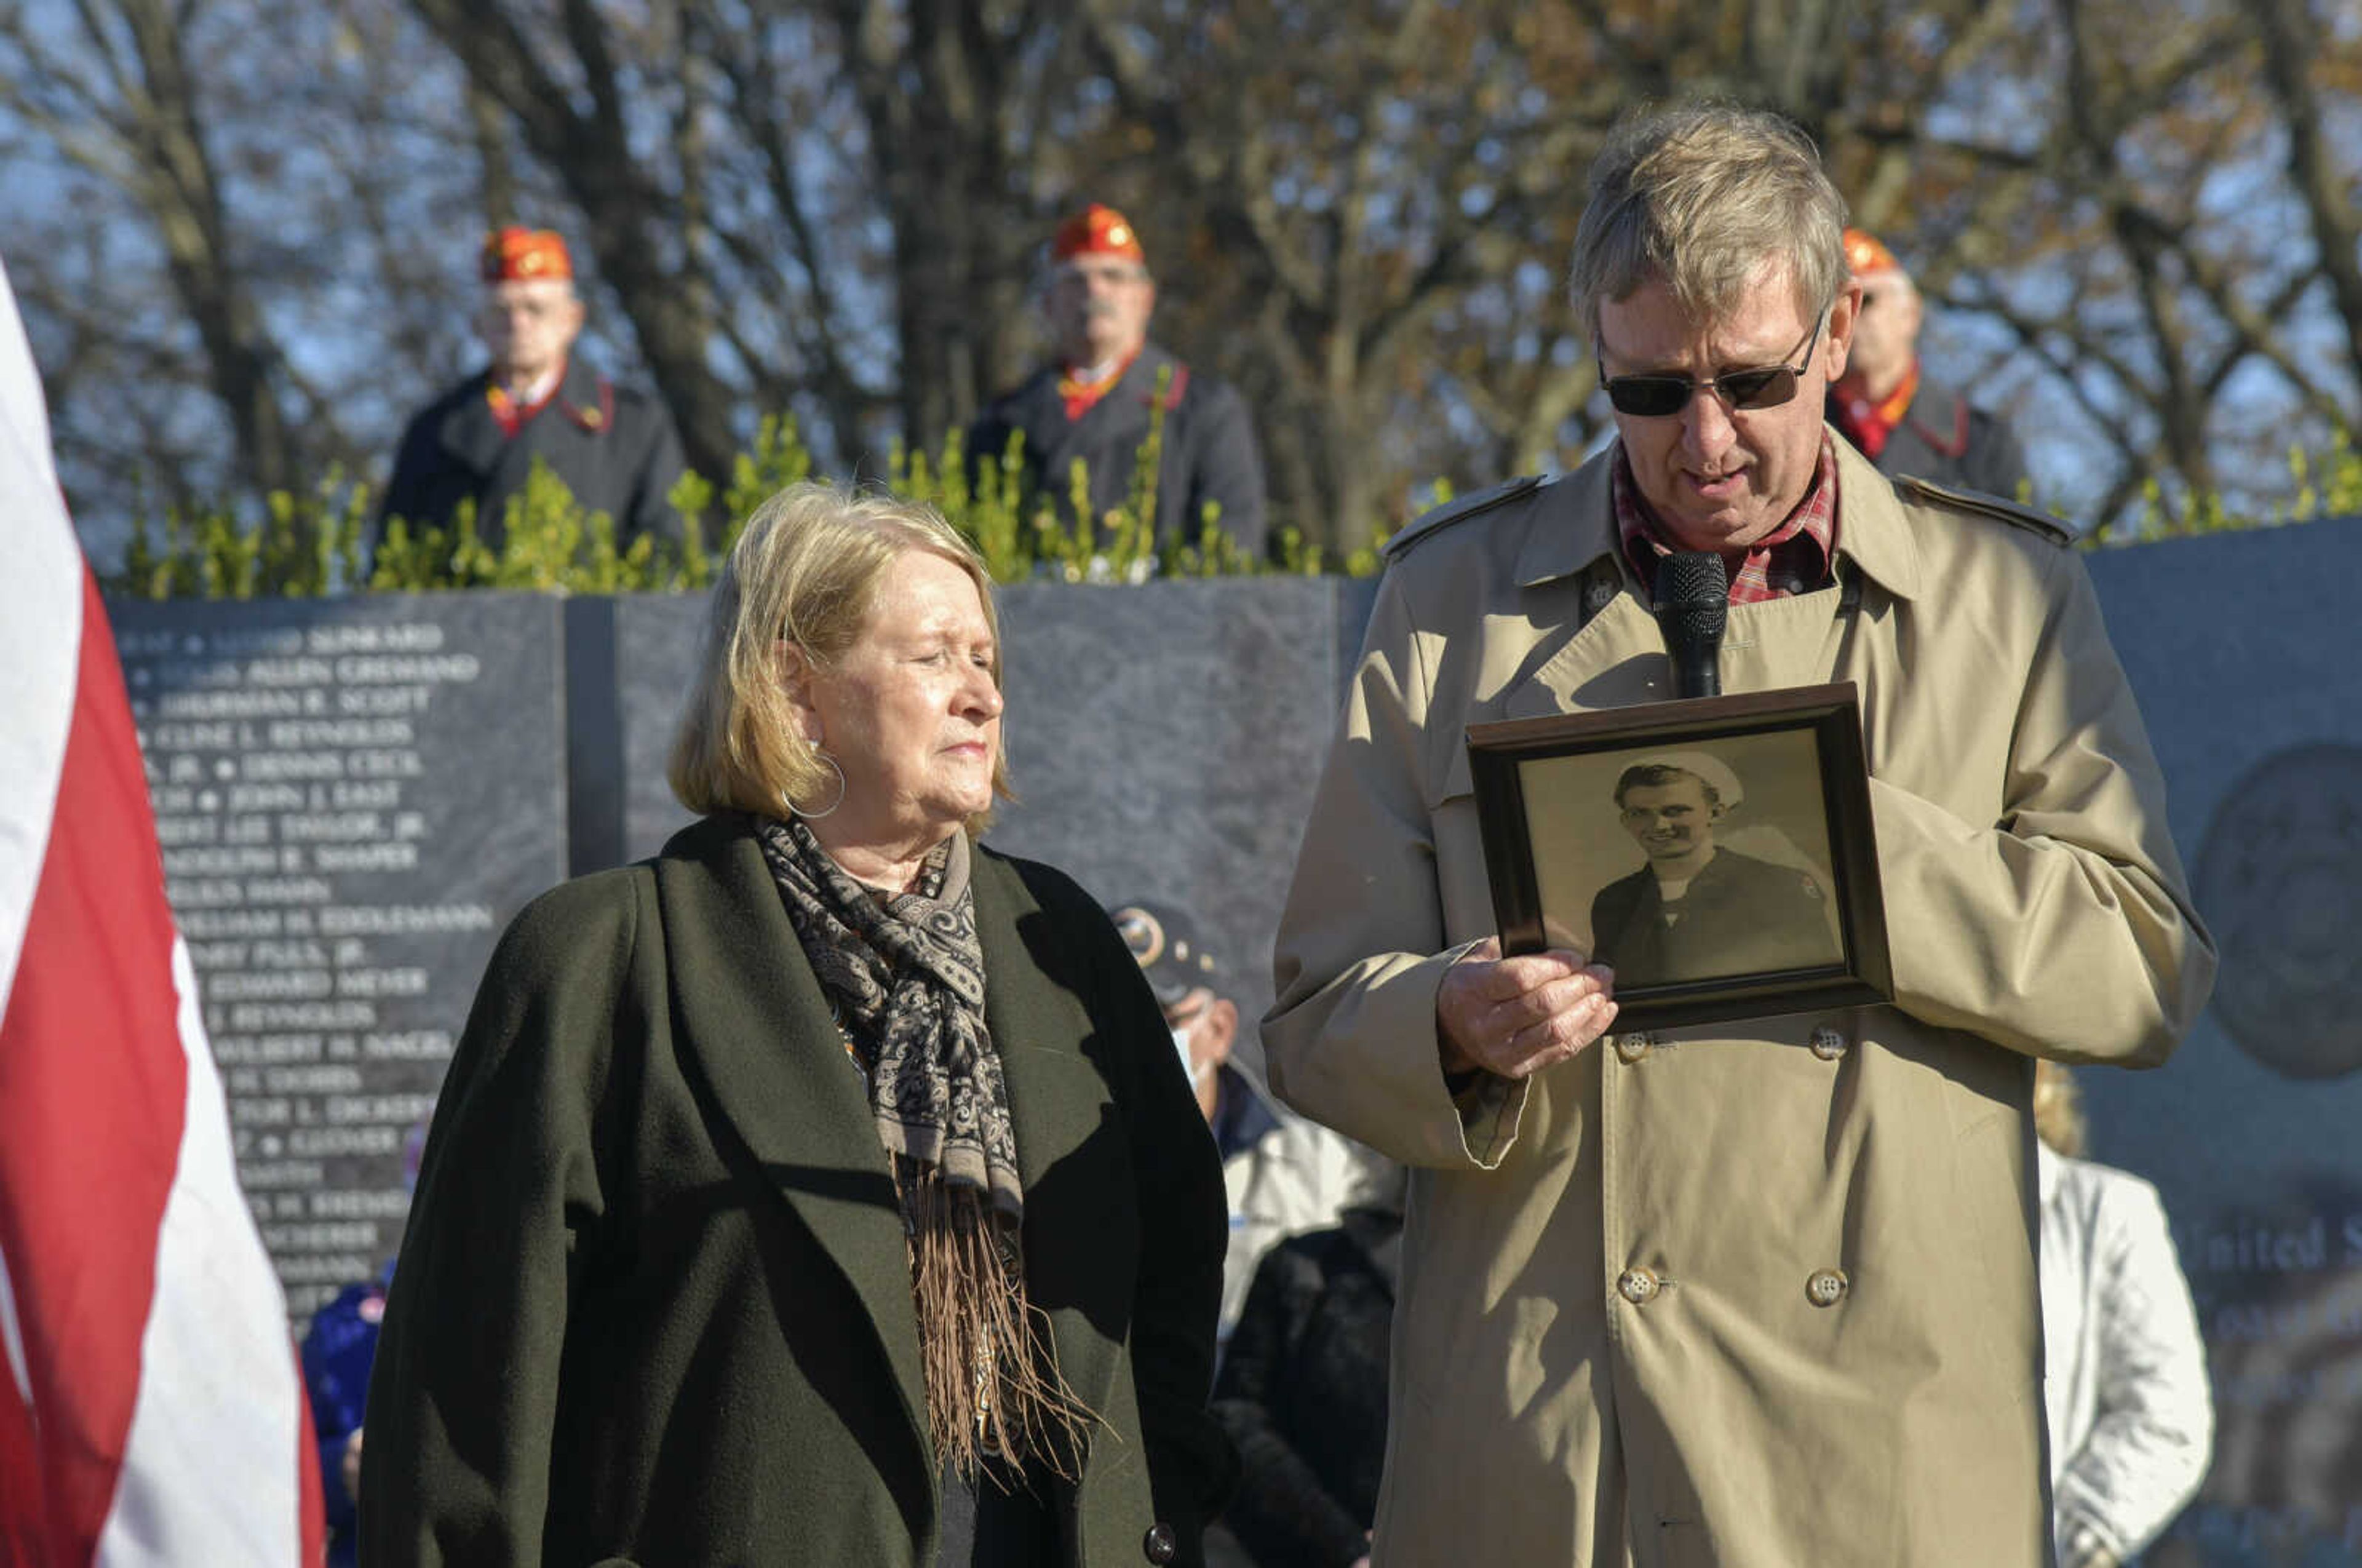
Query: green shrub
(2327, 485)
(310, 543)
(302, 544)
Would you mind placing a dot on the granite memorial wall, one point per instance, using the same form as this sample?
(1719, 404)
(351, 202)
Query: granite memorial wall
(352, 798)
(355, 796)
(2241, 649)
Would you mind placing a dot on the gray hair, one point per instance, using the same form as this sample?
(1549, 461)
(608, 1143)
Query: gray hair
(1703, 198)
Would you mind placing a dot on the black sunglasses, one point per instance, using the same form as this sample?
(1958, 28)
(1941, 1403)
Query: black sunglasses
(1763, 386)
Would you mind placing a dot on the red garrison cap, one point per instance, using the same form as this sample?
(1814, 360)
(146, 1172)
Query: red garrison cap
(1865, 255)
(517, 253)
(1097, 231)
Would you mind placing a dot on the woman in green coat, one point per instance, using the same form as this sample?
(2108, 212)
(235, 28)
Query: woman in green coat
(824, 1191)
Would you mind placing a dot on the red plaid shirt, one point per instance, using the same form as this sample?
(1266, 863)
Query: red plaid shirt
(1792, 558)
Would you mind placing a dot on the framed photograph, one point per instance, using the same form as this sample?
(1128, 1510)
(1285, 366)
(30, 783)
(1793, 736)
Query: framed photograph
(1716, 851)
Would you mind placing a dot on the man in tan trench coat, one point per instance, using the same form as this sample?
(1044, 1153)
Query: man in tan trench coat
(1763, 1293)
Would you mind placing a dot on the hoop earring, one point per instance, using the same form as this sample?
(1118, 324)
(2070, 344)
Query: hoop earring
(815, 816)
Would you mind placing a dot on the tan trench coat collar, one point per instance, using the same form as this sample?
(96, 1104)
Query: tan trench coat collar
(1871, 530)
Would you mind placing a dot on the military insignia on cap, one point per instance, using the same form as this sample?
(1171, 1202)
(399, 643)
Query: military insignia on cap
(1142, 933)
(517, 254)
(1097, 230)
(2279, 875)
(1867, 255)
(594, 418)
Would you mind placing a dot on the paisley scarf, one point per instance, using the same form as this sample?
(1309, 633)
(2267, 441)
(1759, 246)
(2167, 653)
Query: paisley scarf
(904, 975)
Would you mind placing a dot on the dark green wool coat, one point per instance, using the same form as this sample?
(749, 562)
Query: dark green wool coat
(653, 1307)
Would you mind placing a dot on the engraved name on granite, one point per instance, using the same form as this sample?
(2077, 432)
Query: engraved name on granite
(353, 798)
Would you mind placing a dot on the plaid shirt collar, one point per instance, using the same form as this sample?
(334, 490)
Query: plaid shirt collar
(1795, 558)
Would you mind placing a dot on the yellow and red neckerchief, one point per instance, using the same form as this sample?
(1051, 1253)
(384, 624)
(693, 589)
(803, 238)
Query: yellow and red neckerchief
(1867, 424)
(1082, 396)
(511, 414)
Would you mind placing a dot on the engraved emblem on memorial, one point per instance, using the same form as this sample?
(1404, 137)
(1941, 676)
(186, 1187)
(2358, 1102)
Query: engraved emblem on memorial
(2280, 884)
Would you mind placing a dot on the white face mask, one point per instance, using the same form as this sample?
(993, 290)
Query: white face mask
(1190, 1068)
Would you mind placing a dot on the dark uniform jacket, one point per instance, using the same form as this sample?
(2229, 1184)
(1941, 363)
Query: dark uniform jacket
(1739, 916)
(1209, 447)
(1303, 1392)
(615, 446)
(1945, 440)
(653, 1304)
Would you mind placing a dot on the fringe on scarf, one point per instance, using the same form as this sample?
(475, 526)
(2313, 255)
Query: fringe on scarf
(994, 1390)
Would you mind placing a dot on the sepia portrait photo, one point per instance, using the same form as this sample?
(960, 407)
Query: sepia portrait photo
(1681, 870)
(1720, 865)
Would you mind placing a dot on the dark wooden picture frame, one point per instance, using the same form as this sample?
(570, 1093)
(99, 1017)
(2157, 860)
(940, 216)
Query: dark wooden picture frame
(1555, 828)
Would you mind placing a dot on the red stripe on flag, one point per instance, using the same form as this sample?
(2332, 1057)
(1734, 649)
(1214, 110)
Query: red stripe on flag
(93, 1087)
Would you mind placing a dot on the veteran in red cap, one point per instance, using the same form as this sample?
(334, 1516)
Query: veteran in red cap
(613, 445)
(1097, 399)
(1887, 407)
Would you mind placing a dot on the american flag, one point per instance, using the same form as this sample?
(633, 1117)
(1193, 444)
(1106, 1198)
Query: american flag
(150, 1407)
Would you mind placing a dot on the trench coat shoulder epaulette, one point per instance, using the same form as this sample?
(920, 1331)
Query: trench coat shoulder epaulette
(1456, 509)
(2040, 524)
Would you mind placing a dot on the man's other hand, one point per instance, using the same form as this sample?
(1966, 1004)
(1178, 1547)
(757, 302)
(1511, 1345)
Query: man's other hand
(1513, 1017)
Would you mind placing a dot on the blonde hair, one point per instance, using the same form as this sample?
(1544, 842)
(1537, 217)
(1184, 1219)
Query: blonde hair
(2058, 1110)
(1706, 198)
(805, 571)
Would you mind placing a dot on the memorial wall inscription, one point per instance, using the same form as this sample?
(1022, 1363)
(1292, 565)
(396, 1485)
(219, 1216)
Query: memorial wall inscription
(352, 799)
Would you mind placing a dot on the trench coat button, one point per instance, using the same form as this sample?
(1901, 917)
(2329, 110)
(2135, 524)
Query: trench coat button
(1159, 1545)
(1639, 1285)
(1826, 1288)
(1828, 1044)
(1632, 1048)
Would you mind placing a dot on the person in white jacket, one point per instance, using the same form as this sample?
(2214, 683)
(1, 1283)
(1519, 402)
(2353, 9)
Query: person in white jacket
(1286, 1176)
(2131, 1419)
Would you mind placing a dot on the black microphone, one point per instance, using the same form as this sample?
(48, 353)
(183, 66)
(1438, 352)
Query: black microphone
(1692, 606)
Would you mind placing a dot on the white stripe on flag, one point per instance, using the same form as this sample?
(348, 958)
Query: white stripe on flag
(40, 635)
(209, 1474)
(214, 1464)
